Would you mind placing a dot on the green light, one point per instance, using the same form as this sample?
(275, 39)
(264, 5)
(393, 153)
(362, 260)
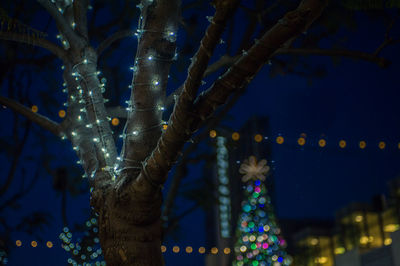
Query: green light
(255, 195)
(253, 246)
(251, 224)
(246, 208)
(255, 263)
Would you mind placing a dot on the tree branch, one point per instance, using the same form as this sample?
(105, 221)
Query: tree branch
(80, 12)
(55, 49)
(17, 153)
(65, 29)
(382, 62)
(157, 29)
(40, 120)
(180, 174)
(186, 119)
(223, 61)
(113, 38)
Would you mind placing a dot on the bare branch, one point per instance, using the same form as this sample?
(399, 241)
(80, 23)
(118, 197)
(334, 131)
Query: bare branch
(224, 61)
(186, 119)
(16, 37)
(40, 120)
(113, 38)
(16, 155)
(382, 62)
(179, 174)
(62, 24)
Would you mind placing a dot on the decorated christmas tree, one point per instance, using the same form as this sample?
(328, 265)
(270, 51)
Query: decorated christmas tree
(258, 236)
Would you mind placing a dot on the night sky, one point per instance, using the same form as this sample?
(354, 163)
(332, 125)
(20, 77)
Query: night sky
(355, 100)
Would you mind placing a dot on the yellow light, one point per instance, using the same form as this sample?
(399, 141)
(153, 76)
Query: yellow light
(314, 241)
(34, 108)
(362, 144)
(235, 136)
(61, 113)
(202, 250)
(321, 260)
(227, 250)
(49, 244)
(163, 249)
(175, 249)
(34, 244)
(370, 239)
(258, 138)
(280, 140)
(274, 257)
(115, 121)
(382, 145)
(322, 143)
(339, 250)
(165, 126)
(213, 133)
(214, 250)
(342, 144)
(189, 249)
(243, 248)
(301, 141)
(387, 241)
(364, 240)
(18, 243)
(252, 238)
(358, 218)
(390, 228)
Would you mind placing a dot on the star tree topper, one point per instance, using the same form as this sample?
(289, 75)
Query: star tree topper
(253, 170)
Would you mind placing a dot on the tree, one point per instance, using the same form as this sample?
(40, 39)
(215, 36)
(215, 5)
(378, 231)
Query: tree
(258, 234)
(126, 189)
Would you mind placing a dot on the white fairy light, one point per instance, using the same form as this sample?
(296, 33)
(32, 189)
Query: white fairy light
(73, 133)
(96, 139)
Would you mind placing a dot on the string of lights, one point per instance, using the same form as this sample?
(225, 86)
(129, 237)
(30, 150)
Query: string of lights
(280, 139)
(321, 142)
(164, 249)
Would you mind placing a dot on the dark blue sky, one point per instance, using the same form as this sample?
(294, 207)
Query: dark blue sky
(355, 101)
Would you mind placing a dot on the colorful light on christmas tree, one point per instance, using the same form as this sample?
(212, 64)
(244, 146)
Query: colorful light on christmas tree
(259, 242)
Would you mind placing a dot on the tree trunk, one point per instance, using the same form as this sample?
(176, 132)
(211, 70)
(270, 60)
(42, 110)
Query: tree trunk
(130, 227)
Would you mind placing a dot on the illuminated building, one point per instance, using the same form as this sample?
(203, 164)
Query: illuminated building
(363, 234)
